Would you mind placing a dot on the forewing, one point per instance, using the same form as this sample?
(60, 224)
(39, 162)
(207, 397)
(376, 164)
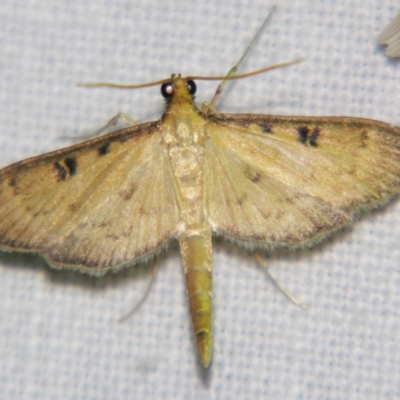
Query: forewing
(276, 181)
(101, 204)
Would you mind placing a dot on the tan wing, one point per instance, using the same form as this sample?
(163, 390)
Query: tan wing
(275, 181)
(97, 205)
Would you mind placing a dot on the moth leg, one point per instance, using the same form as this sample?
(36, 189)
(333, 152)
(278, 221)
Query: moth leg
(145, 295)
(235, 68)
(207, 108)
(110, 124)
(114, 121)
(277, 284)
(125, 117)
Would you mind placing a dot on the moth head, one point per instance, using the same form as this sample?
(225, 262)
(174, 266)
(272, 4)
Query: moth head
(178, 87)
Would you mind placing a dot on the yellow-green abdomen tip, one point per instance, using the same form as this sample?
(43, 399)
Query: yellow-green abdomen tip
(204, 347)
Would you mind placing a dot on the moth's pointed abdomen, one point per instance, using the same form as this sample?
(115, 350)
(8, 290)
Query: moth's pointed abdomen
(204, 347)
(197, 261)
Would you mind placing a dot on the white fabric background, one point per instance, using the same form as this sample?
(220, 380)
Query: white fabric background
(59, 335)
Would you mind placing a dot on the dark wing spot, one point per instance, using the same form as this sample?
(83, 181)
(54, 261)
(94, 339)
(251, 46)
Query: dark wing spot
(266, 128)
(128, 192)
(72, 207)
(112, 237)
(71, 165)
(254, 176)
(12, 182)
(303, 133)
(104, 149)
(143, 211)
(314, 136)
(364, 138)
(242, 199)
(61, 172)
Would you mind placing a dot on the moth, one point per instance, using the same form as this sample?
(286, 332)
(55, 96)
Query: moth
(261, 181)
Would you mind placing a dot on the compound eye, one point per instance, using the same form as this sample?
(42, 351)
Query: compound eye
(167, 90)
(191, 87)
